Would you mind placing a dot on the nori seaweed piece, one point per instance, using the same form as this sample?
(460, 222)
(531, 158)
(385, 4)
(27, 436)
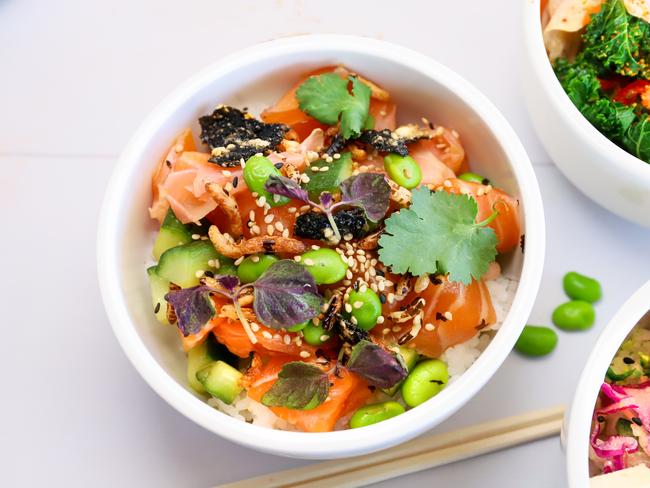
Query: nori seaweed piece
(336, 146)
(312, 225)
(235, 134)
(395, 142)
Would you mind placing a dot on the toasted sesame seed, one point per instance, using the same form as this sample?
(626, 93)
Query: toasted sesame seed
(447, 183)
(297, 258)
(255, 194)
(348, 308)
(346, 282)
(178, 148)
(292, 210)
(279, 226)
(337, 156)
(256, 229)
(309, 262)
(324, 338)
(304, 354)
(324, 168)
(328, 232)
(385, 331)
(254, 327)
(211, 263)
(270, 229)
(287, 339)
(298, 341)
(316, 248)
(285, 233)
(448, 315)
(199, 273)
(196, 237)
(381, 319)
(363, 289)
(361, 259)
(251, 215)
(304, 208)
(373, 287)
(396, 328)
(216, 264)
(269, 218)
(391, 298)
(428, 327)
(354, 320)
(267, 334)
(255, 259)
(276, 198)
(239, 260)
(304, 178)
(357, 304)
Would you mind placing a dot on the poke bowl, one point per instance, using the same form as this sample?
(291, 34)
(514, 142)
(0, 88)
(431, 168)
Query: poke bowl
(275, 353)
(605, 432)
(588, 106)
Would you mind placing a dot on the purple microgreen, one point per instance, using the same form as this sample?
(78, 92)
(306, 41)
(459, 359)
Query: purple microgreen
(300, 386)
(193, 307)
(326, 199)
(285, 295)
(229, 282)
(370, 191)
(286, 187)
(378, 366)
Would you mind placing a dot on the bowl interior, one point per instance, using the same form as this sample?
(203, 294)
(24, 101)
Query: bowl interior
(255, 80)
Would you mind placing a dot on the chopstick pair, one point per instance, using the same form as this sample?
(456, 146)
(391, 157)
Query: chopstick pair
(416, 455)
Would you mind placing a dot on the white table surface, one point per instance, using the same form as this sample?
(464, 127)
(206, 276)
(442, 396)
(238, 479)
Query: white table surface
(76, 77)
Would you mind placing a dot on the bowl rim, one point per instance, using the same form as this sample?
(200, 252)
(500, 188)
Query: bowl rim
(338, 443)
(558, 97)
(578, 419)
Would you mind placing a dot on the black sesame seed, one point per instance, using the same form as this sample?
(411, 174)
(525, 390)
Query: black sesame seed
(157, 308)
(382, 298)
(628, 360)
(208, 273)
(235, 181)
(355, 287)
(600, 418)
(485, 181)
(380, 272)
(278, 165)
(168, 163)
(637, 420)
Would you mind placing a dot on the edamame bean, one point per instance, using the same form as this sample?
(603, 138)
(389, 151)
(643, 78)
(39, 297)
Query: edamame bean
(366, 308)
(257, 171)
(297, 327)
(227, 269)
(536, 341)
(574, 315)
(581, 287)
(325, 265)
(474, 178)
(253, 266)
(377, 412)
(314, 334)
(426, 380)
(403, 170)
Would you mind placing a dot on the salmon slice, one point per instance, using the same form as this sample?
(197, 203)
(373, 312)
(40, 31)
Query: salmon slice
(457, 312)
(506, 225)
(346, 391)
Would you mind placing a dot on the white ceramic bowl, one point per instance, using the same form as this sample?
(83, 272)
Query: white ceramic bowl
(577, 424)
(599, 168)
(255, 78)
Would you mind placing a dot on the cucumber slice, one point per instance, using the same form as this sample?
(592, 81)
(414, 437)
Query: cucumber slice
(181, 264)
(220, 380)
(320, 181)
(172, 233)
(203, 354)
(410, 357)
(159, 288)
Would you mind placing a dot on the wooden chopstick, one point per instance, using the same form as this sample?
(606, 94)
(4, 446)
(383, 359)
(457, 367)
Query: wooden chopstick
(416, 455)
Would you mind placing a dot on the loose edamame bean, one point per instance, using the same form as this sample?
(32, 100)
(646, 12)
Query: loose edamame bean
(325, 265)
(377, 412)
(536, 341)
(314, 334)
(253, 266)
(581, 287)
(574, 315)
(297, 327)
(474, 178)
(257, 171)
(426, 380)
(366, 308)
(403, 170)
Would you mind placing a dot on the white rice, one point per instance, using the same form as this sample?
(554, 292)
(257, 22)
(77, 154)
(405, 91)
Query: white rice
(458, 358)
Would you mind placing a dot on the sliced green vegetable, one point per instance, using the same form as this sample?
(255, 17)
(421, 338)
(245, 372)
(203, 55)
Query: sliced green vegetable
(184, 265)
(473, 178)
(172, 233)
(409, 358)
(338, 171)
(612, 375)
(221, 381)
(403, 170)
(377, 412)
(159, 288)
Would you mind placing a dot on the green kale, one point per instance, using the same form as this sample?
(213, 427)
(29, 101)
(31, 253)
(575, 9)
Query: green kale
(636, 140)
(580, 82)
(617, 41)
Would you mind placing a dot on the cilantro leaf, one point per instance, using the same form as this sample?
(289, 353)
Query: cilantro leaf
(193, 307)
(326, 98)
(300, 386)
(617, 41)
(378, 366)
(438, 234)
